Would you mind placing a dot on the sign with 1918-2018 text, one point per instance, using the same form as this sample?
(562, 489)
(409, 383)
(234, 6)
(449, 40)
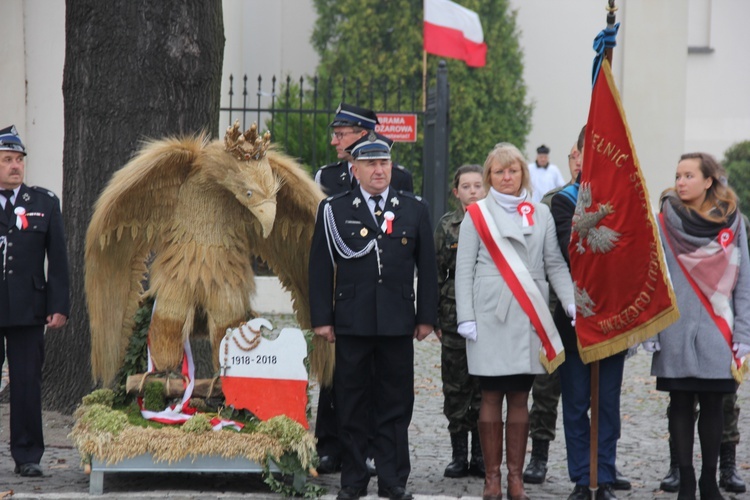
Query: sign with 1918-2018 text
(266, 377)
(399, 127)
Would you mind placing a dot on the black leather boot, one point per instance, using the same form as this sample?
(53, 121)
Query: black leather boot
(671, 481)
(707, 484)
(459, 466)
(536, 471)
(687, 483)
(476, 465)
(729, 478)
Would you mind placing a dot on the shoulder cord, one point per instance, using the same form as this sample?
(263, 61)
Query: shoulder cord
(4, 245)
(332, 233)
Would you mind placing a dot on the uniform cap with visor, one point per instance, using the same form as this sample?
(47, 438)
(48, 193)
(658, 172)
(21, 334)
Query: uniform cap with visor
(9, 140)
(372, 146)
(354, 116)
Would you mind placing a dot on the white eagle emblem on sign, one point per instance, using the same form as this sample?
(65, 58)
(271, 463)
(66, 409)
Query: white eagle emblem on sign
(600, 239)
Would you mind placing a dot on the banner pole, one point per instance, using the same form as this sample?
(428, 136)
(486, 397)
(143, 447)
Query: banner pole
(594, 436)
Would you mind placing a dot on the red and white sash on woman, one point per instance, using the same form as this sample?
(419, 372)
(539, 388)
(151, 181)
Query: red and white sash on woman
(521, 284)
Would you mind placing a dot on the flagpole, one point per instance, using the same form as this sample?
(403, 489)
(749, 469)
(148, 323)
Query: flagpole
(594, 436)
(424, 81)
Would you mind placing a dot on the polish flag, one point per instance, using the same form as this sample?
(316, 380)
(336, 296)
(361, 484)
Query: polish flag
(451, 30)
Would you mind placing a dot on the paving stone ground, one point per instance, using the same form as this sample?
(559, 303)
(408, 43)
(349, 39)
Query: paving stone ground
(642, 451)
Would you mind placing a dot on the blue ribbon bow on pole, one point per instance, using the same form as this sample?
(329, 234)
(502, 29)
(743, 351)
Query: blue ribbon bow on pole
(606, 39)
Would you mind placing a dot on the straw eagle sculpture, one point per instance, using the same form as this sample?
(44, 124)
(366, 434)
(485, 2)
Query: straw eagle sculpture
(191, 214)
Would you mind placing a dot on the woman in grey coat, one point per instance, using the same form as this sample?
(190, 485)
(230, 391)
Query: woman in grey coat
(701, 355)
(505, 351)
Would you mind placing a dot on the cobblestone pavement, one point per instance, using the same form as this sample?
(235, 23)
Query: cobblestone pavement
(642, 451)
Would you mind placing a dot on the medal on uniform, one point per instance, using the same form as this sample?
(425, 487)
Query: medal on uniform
(363, 232)
(526, 210)
(388, 222)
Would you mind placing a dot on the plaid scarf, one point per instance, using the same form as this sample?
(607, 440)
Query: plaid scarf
(708, 250)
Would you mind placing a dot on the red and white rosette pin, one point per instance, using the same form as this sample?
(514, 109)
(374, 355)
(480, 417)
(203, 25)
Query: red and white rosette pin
(726, 237)
(21, 221)
(388, 216)
(526, 210)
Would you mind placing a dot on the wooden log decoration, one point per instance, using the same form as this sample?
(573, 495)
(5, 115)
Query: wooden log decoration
(174, 386)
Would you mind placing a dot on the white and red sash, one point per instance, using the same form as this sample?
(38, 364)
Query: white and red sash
(738, 366)
(521, 284)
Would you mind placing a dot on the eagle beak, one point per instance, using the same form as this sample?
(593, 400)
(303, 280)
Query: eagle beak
(265, 212)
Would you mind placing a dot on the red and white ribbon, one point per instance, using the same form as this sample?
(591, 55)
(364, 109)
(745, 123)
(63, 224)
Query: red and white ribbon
(21, 221)
(726, 237)
(219, 423)
(388, 216)
(526, 210)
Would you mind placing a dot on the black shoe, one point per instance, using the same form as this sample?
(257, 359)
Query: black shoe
(371, 469)
(580, 492)
(459, 467)
(671, 481)
(351, 493)
(708, 487)
(621, 482)
(395, 493)
(476, 467)
(28, 470)
(729, 478)
(605, 492)
(329, 464)
(536, 471)
(731, 481)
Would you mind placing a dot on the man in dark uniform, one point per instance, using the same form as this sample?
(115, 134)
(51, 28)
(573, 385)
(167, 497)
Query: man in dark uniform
(365, 249)
(348, 126)
(31, 229)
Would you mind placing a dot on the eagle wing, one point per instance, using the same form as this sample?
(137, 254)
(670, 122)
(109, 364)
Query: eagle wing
(287, 248)
(128, 220)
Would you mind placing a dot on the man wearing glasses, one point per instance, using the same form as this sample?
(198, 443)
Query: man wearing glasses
(349, 125)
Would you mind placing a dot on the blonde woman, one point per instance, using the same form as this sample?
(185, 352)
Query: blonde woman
(492, 301)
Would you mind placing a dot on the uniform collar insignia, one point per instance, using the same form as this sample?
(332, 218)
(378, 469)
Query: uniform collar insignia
(25, 196)
(356, 202)
(394, 201)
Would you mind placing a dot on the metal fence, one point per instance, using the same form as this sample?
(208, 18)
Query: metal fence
(297, 113)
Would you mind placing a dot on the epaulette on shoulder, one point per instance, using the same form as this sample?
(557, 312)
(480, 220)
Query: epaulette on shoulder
(44, 190)
(400, 167)
(330, 165)
(409, 194)
(337, 196)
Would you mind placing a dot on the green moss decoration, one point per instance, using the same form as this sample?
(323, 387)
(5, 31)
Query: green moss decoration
(153, 396)
(98, 418)
(198, 424)
(105, 397)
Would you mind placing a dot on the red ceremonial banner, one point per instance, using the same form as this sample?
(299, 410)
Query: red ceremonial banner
(623, 295)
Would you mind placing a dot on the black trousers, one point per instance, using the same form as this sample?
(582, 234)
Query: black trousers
(24, 349)
(377, 370)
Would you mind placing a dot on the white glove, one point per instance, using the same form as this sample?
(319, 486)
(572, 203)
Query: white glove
(571, 312)
(740, 350)
(651, 346)
(468, 330)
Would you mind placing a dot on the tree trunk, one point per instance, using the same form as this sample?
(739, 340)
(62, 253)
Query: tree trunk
(134, 69)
